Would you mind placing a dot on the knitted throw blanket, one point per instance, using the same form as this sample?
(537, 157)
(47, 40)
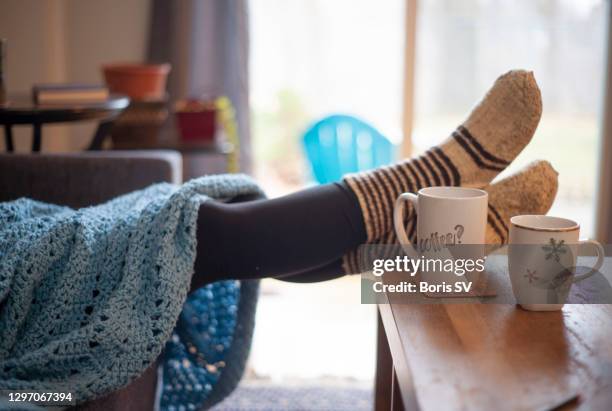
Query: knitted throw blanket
(89, 297)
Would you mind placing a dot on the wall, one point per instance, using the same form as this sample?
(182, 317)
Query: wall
(68, 40)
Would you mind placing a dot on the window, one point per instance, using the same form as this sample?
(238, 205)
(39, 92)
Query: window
(311, 58)
(462, 46)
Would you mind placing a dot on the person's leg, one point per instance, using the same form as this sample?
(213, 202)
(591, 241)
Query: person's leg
(325, 272)
(271, 238)
(311, 235)
(277, 237)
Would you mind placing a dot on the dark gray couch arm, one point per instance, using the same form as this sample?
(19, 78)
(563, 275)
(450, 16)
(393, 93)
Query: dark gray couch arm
(84, 179)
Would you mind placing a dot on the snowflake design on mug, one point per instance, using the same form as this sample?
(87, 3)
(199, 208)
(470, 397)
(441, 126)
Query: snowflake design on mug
(555, 249)
(531, 275)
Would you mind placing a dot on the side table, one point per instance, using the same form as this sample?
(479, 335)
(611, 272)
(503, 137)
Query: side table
(21, 109)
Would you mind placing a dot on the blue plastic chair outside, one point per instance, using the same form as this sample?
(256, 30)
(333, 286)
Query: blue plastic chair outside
(341, 144)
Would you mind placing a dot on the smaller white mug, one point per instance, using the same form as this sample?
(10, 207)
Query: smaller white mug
(447, 216)
(542, 255)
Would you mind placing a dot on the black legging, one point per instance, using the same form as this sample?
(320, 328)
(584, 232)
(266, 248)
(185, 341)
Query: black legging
(300, 237)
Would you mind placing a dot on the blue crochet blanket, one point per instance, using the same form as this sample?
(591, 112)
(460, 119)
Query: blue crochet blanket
(90, 297)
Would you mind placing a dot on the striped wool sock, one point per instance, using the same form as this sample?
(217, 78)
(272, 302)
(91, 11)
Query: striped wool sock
(495, 132)
(531, 190)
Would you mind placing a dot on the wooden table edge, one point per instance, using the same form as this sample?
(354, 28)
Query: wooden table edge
(401, 369)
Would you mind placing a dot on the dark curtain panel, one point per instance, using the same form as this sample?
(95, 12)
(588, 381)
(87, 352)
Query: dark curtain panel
(207, 43)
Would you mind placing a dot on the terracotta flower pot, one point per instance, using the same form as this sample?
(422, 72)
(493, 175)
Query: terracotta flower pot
(138, 81)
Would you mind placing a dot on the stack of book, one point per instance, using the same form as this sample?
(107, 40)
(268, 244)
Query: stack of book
(69, 93)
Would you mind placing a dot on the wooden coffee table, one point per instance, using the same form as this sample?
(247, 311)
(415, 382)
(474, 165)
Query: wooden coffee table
(494, 357)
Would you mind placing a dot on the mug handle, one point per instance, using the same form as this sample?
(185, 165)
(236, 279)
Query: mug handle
(398, 220)
(600, 259)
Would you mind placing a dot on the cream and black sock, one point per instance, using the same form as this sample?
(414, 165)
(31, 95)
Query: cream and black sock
(531, 190)
(496, 131)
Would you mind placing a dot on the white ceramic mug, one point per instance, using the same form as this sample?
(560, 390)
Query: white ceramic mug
(542, 255)
(446, 216)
